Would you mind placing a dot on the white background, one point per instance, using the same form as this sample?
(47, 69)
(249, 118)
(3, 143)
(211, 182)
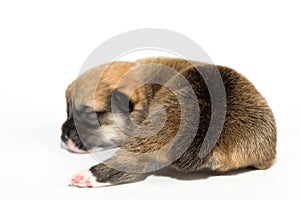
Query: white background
(43, 45)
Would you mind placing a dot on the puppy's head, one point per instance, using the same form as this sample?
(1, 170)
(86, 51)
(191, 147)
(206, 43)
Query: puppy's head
(97, 111)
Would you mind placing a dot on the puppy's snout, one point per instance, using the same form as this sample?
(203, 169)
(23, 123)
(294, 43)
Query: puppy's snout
(67, 128)
(64, 137)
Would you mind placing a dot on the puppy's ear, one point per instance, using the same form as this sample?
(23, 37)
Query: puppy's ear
(121, 101)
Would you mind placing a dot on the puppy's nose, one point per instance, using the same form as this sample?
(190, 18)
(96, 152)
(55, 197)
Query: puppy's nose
(64, 137)
(66, 129)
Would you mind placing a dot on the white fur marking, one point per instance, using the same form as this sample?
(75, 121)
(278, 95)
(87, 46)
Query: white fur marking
(73, 148)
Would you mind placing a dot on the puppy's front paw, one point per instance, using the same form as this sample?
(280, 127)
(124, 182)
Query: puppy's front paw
(85, 178)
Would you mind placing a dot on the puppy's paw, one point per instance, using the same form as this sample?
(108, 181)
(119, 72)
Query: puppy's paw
(85, 178)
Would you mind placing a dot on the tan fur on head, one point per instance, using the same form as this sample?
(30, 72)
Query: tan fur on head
(69, 92)
(92, 85)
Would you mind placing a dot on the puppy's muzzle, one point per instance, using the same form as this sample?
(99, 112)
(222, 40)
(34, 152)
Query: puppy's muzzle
(71, 138)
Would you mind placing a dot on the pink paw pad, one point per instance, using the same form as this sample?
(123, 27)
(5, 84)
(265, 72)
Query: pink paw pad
(77, 179)
(86, 179)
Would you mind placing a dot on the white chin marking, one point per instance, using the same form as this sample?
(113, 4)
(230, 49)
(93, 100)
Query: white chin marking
(85, 179)
(73, 148)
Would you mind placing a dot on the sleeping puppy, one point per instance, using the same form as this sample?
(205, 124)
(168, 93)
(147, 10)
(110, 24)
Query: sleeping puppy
(161, 113)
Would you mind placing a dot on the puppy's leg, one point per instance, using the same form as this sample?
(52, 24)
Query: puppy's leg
(135, 158)
(101, 175)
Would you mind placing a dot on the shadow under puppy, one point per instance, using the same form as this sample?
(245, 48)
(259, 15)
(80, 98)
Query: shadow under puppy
(166, 112)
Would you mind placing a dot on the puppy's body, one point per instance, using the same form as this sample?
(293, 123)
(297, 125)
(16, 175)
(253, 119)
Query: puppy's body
(248, 137)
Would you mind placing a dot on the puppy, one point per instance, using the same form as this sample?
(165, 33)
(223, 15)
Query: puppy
(166, 112)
